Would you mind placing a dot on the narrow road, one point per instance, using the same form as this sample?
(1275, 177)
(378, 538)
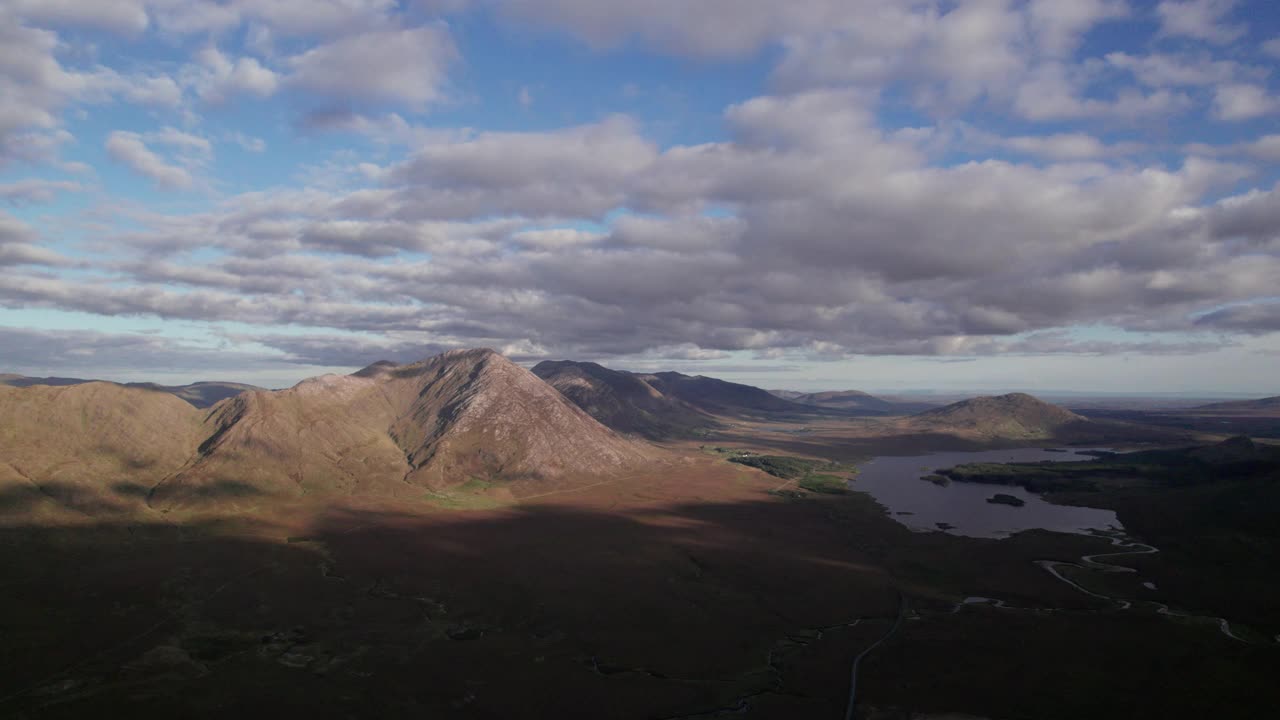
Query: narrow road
(857, 661)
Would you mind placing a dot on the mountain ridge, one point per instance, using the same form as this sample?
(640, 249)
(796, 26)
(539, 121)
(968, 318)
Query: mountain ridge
(462, 417)
(1262, 406)
(201, 394)
(623, 401)
(665, 405)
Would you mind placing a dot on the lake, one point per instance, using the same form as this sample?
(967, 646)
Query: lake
(895, 483)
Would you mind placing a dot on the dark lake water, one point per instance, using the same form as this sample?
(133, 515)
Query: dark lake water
(895, 483)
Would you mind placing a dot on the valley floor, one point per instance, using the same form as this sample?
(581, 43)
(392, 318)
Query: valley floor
(693, 592)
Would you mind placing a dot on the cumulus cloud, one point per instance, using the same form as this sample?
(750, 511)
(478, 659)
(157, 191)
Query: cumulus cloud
(1057, 91)
(398, 65)
(123, 16)
(1266, 148)
(34, 84)
(696, 29)
(1259, 318)
(1168, 70)
(125, 356)
(35, 191)
(129, 149)
(1243, 102)
(1200, 19)
(840, 235)
(1055, 146)
(571, 172)
(18, 246)
(37, 88)
(215, 78)
(285, 17)
(345, 350)
(809, 227)
(554, 238)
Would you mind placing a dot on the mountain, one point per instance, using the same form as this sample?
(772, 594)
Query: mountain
(199, 394)
(856, 402)
(1239, 449)
(1013, 416)
(13, 380)
(467, 416)
(89, 447)
(848, 399)
(623, 401)
(666, 404)
(1264, 406)
(720, 397)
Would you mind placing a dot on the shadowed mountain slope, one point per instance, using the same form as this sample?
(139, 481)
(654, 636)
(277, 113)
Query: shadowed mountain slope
(200, 394)
(668, 404)
(622, 400)
(66, 447)
(721, 397)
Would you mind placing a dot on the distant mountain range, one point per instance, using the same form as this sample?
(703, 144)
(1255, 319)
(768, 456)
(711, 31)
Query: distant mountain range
(1264, 406)
(854, 400)
(666, 404)
(199, 394)
(623, 401)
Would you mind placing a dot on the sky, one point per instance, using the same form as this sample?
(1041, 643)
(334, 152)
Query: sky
(816, 194)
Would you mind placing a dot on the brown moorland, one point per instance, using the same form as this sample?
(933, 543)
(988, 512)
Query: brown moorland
(684, 593)
(532, 563)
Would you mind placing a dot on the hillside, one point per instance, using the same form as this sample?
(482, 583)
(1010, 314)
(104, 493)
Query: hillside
(467, 417)
(623, 401)
(721, 397)
(199, 394)
(856, 402)
(1013, 416)
(1269, 406)
(848, 399)
(13, 380)
(667, 404)
(89, 447)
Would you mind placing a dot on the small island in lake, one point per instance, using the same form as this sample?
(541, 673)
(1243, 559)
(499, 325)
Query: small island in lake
(1003, 499)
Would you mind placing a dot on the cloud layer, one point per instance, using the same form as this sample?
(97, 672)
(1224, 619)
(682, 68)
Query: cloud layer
(911, 178)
